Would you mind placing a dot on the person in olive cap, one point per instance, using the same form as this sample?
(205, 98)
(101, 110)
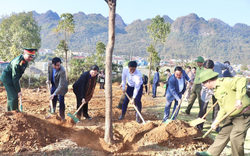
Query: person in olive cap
(230, 93)
(11, 75)
(196, 90)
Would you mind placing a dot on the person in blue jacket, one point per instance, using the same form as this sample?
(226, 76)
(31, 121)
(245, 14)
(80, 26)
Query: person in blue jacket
(176, 88)
(155, 82)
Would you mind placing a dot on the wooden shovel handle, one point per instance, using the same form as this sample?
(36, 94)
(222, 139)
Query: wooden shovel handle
(180, 102)
(136, 109)
(204, 116)
(224, 117)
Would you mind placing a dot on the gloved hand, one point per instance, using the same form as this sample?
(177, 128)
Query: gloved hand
(238, 104)
(214, 125)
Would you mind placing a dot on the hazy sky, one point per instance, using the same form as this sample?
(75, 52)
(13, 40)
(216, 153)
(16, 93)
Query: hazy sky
(229, 11)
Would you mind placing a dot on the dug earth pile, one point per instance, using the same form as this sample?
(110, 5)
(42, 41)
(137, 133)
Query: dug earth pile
(132, 136)
(22, 132)
(30, 132)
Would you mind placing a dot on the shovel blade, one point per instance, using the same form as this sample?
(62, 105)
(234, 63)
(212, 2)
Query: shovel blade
(168, 121)
(73, 117)
(198, 138)
(197, 122)
(50, 112)
(21, 108)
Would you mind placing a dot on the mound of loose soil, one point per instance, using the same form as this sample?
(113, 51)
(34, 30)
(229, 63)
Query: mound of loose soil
(20, 132)
(131, 136)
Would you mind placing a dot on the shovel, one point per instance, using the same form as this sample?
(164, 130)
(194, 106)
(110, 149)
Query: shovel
(73, 116)
(20, 99)
(201, 120)
(224, 117)
(143, 121)
(172, 117)
(51, 103)
(51, 111)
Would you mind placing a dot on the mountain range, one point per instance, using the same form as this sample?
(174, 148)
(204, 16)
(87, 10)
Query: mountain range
(190, 36)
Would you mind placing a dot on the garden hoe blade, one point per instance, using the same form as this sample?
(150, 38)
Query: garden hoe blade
(73, 116)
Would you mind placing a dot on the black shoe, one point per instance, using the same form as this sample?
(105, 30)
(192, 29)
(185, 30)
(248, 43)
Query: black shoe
(121, 117)
(184, 112)
(88, 117)
(138, 119)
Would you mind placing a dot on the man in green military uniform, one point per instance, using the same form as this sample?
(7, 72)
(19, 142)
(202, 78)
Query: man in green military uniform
(196, 90)
(230, 93)
(11, 75)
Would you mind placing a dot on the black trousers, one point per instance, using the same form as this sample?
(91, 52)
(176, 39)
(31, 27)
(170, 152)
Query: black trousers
(203, 111)
(84, 110)
(102, 85)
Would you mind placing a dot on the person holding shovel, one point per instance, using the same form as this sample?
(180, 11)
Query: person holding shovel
(57, 77)
(177, 87)
(84, 89)
(231, 94)
(208, 94)
(134, 88)
(12, 74)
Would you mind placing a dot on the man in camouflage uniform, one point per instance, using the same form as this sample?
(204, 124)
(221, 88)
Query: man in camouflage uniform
(11, 75)
(230, 93)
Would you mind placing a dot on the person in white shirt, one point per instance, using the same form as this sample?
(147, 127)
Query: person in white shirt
(134, 88)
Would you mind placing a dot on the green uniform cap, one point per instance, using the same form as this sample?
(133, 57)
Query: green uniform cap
(30, 51)
(207, 74)
(199, 59)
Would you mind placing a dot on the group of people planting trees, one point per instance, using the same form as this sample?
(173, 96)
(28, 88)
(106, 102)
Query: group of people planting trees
(207, 81)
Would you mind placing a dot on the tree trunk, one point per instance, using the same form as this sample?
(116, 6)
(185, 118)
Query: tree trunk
(108, 76)
(66, 65)
(149, 73)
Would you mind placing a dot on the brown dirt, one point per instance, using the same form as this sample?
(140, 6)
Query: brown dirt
(20, 132)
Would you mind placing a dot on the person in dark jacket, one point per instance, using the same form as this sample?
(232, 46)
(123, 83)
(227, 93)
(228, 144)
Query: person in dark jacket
(145, 82)
(155, 81)
(84, 88)
(102, 80)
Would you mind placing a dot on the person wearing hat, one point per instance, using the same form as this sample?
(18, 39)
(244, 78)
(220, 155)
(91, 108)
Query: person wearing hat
(155, 82)
(206, 94)
(196, 90)
(230, 93)
(101, 79)
(12, 74)
(57, 77)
